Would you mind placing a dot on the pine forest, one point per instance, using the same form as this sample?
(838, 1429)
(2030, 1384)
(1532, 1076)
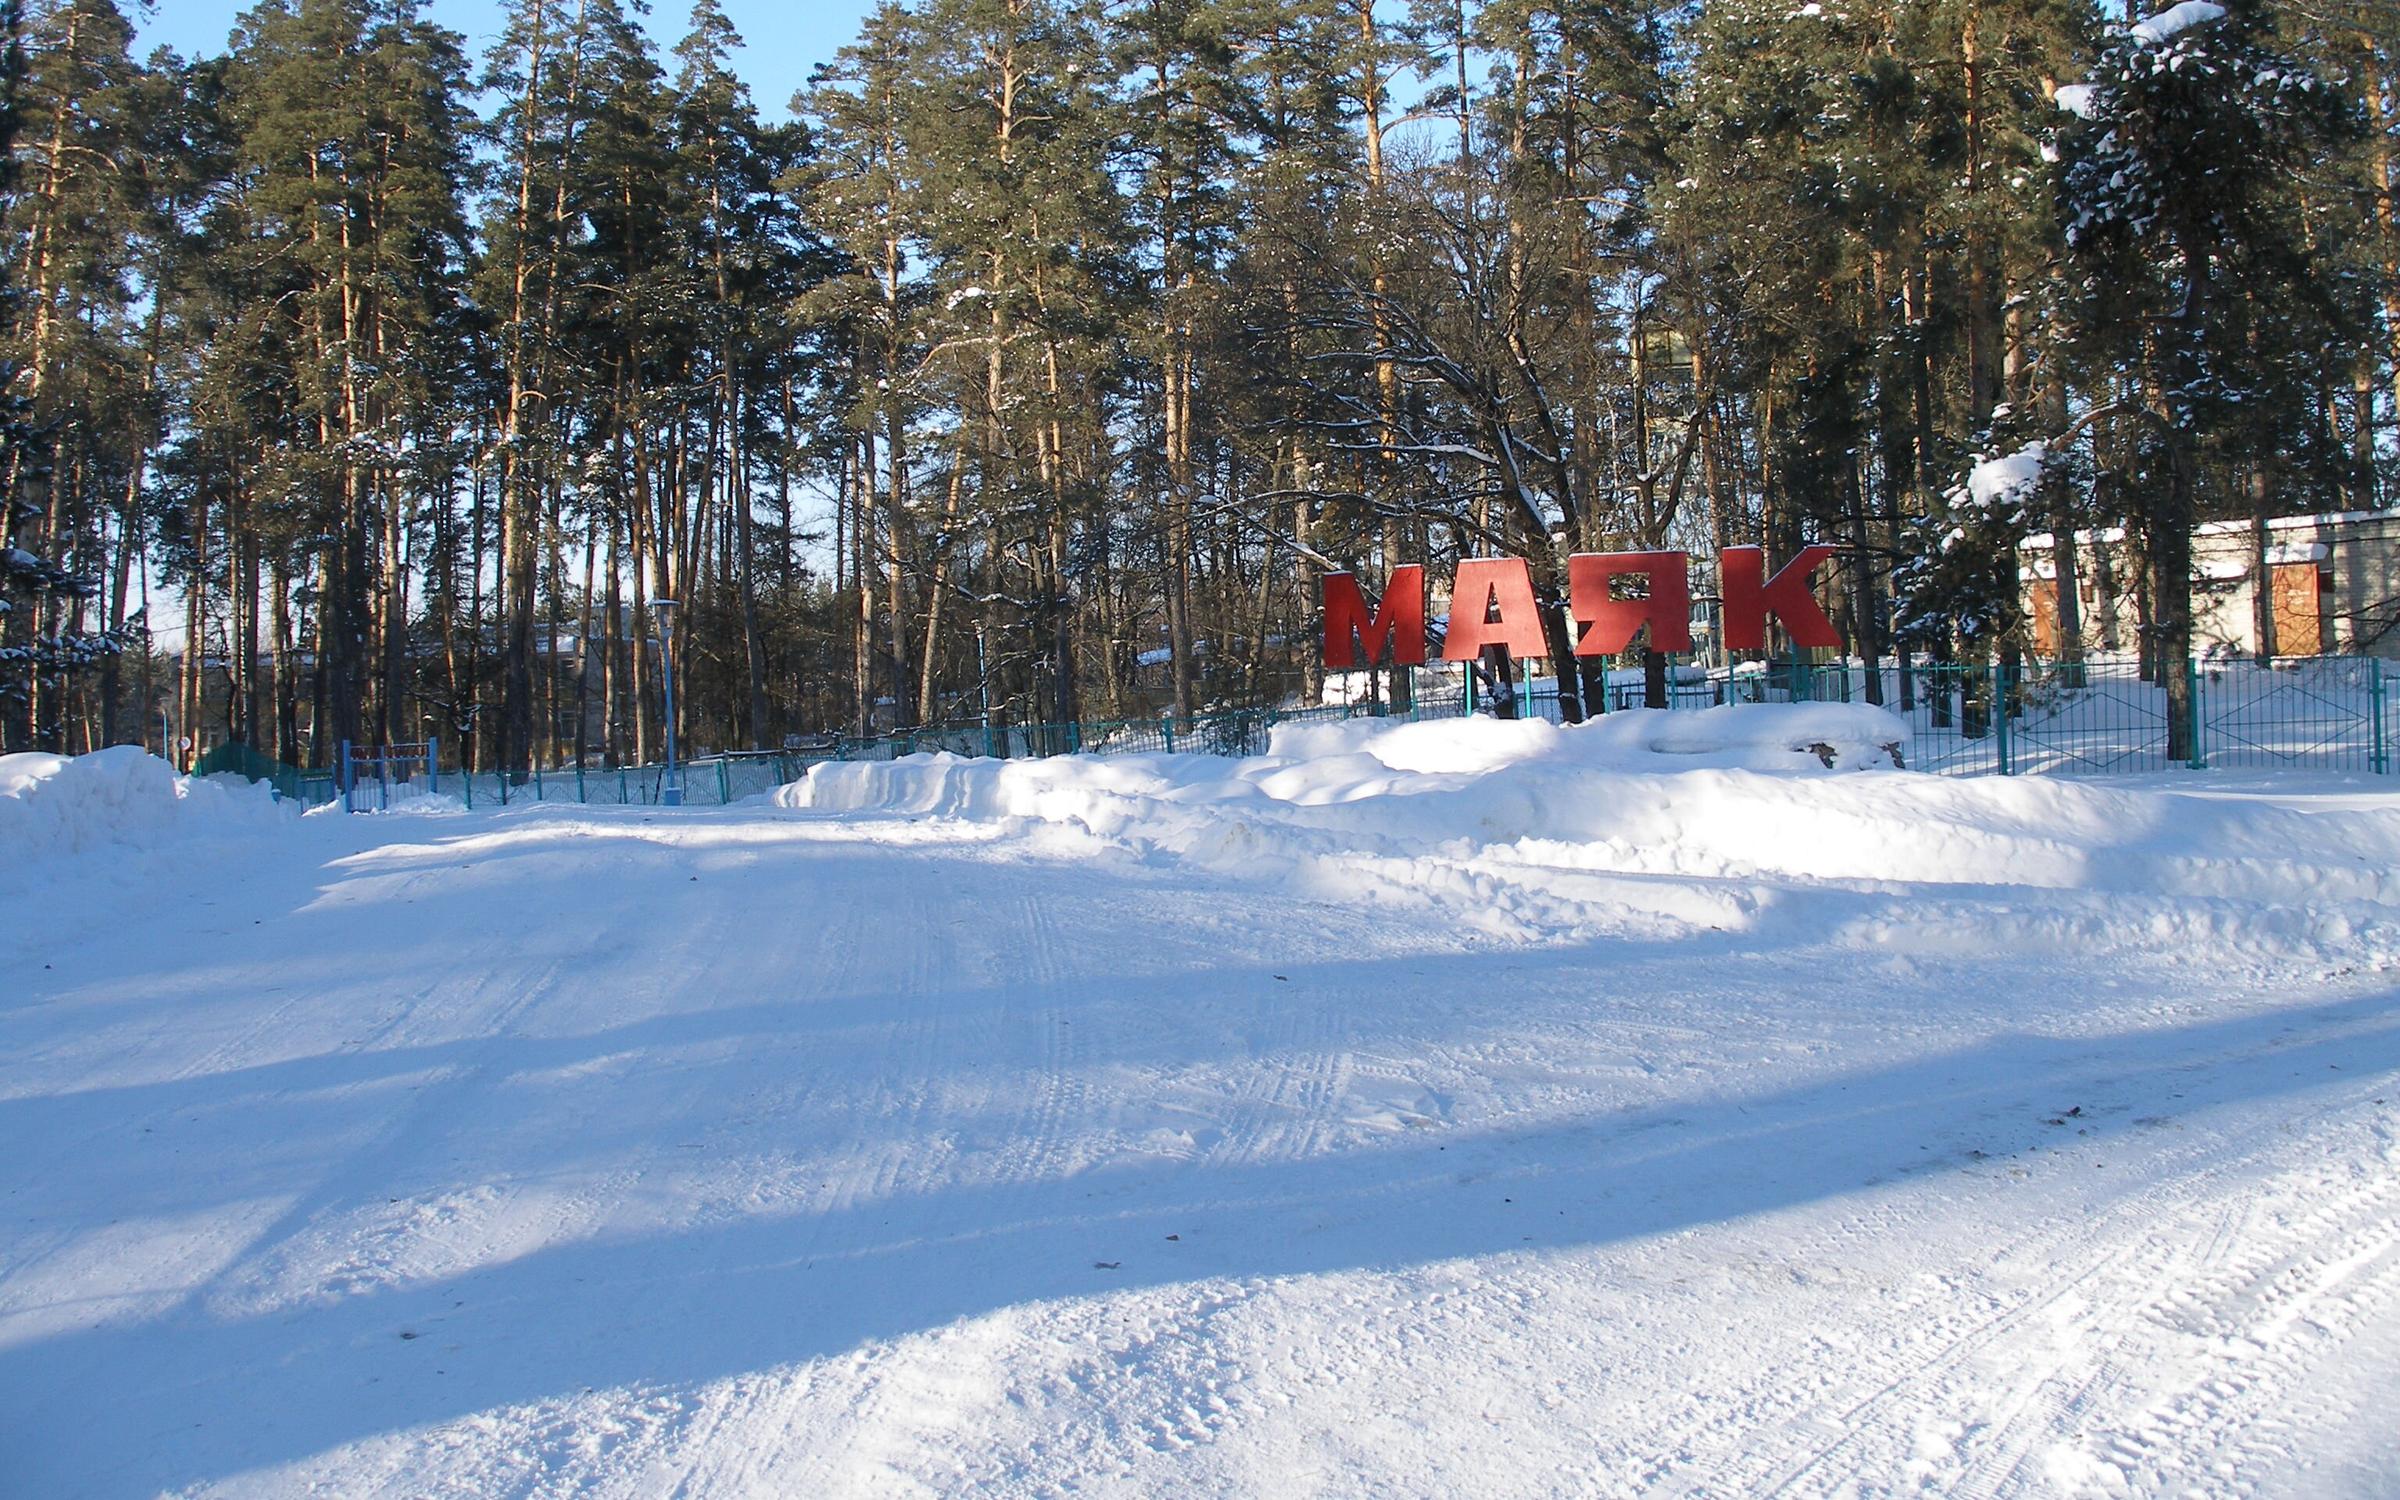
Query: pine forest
(1039, 364)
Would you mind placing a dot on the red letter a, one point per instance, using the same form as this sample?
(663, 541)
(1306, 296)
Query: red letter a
(1481, 582)
(1398, 627)
(1750, 597)
(1609, 624)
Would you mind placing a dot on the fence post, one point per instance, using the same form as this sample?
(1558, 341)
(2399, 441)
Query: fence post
(2375, 696)
(433, 766)
(724, 785)
(1166, 729)
(2191, 678)
(580, 798)
(2000, 687)
(1466, 683)
(988, 751)
(344, 769)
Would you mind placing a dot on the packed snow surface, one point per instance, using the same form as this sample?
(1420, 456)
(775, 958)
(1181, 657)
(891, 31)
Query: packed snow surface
(1443, 1109)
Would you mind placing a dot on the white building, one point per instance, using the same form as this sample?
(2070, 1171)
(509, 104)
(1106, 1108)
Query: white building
(2334, 581)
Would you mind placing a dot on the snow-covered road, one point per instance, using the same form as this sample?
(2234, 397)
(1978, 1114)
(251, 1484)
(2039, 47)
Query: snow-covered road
(987, 1147)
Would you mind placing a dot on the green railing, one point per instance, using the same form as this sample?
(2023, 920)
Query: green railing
(719, 780)
(2325, 713)
(233, 758)
(2103, 717)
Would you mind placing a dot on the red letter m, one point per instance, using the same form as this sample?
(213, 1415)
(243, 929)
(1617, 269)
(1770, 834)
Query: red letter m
(1398, 627)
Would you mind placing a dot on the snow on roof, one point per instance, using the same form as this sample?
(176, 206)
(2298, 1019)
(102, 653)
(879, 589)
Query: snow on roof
(2176, 19)
(2229, 528)
(2293, 523)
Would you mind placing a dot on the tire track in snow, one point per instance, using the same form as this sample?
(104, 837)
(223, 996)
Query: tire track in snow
(2251, 1331)
(1946, 1331)
(1294, 1069)
(315, 1249)
(890, 950)
(477, 1012)
(1038, 1152)
(2117, 1271)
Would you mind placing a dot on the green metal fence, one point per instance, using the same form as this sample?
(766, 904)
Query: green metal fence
(233, 758)
(2325, 713)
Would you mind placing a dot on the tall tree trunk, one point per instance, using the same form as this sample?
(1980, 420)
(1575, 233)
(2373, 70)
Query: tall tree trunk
(583, 640)
(520, 521)
(862, 623)
(936, 593)
(2382, 74)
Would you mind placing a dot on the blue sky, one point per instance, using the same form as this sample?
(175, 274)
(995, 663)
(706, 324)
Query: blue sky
(784, 39)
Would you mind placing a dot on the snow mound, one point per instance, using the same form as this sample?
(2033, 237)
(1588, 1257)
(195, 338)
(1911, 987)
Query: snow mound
(1331, 801)
(1511, 819)
(121, 797)
(1318, 765)
(1768, 737)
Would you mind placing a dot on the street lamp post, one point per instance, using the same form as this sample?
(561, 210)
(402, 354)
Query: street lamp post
(670, 787)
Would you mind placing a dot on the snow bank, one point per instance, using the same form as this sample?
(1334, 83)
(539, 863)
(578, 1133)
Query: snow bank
(1320, 765)
(122, 797)
(1489, 815)
(1390, 803)
(1768, 737)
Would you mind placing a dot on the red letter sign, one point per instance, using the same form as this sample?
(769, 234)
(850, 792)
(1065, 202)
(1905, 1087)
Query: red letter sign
(1750, 596)
(1482, 581)
(1398, 627)
(1609, 623)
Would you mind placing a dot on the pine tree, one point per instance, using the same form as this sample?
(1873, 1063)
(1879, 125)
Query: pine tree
(859, 186)
(350, 141)
(2178, 217)
(67, 301)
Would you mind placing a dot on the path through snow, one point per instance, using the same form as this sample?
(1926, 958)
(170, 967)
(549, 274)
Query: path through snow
(1220, 1131)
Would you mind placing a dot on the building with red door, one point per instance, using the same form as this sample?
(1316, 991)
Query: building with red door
(2331, 582)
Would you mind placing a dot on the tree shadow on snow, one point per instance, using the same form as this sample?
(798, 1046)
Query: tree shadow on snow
(197, 1394)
